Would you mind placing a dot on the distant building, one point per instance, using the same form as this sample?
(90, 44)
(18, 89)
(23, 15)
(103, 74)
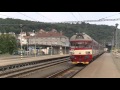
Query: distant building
(49, 38)
(31, 33)
(23, 38)
(12, 33)
(45, 41)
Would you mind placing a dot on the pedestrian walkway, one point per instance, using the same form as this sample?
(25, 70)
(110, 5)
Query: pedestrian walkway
(102, 67)
(9, 57)
(28, 59)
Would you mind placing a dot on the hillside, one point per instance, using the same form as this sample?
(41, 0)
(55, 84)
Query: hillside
(100, 33)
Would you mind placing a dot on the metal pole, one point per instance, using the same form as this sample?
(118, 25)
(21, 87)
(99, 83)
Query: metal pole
(21, 40)
(113, 42)
(35, 46)
(61, 52)
(65, 49)
(27, 47)
(51, 48)
(116, 37)
(35, 42)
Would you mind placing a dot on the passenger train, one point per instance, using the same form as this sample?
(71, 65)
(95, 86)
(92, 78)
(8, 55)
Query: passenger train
(83, 49)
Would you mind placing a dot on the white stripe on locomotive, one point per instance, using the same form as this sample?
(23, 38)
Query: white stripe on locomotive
(81, 52)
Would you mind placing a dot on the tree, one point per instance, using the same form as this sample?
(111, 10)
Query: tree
(8, 43)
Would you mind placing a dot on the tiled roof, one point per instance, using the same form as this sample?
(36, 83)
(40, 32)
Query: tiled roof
(52, 33)
(43, 33)
(26, 37)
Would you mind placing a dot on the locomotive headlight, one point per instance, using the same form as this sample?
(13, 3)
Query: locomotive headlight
(87, 52)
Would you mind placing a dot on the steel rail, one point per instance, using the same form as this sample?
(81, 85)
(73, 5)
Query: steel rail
(67, 73)
(25, 64)
(22, 71)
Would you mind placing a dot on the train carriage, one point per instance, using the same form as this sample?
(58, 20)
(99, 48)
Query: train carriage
(83, 49)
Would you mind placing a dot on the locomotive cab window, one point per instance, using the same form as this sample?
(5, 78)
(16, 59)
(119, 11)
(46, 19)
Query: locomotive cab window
(79, 37)
(88, 44)
(81, 44)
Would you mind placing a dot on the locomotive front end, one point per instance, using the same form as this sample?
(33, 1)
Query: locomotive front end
(81, 55)
(81, 49)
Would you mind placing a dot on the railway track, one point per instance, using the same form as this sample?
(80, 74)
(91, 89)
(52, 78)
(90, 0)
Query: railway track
(25, 70)
(17, 64)
(67, 73)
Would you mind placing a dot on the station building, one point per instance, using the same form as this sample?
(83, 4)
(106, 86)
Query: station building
(45, 42)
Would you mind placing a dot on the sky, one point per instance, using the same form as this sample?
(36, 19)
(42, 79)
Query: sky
(64, 16)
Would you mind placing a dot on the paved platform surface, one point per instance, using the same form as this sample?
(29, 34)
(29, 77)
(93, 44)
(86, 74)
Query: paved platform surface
(18, 60)
(102, 67)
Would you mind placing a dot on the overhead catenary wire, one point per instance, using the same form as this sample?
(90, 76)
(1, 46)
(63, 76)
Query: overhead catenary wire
(109, 16)
(74, 16)
(27, 16)
(99, 20)
(19, 24)
(44, 16)
(80, 15)
(7, 16)
(116, 19)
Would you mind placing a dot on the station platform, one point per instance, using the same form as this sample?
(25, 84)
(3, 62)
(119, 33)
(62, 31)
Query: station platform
(103, 67)
(17, 59)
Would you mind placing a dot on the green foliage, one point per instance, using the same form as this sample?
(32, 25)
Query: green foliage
(8, 43)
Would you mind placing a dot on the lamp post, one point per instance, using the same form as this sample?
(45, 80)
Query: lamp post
(115, 37)
(65, 48)
(21, 40)
(35, 42)
(27, 46)
(61, 52)
(112, 41)
(65, 43)
(51, 47)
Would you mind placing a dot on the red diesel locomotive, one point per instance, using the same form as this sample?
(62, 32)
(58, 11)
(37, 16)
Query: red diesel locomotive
(83, 49)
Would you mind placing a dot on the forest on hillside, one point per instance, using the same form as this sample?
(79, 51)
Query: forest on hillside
(101, 33)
